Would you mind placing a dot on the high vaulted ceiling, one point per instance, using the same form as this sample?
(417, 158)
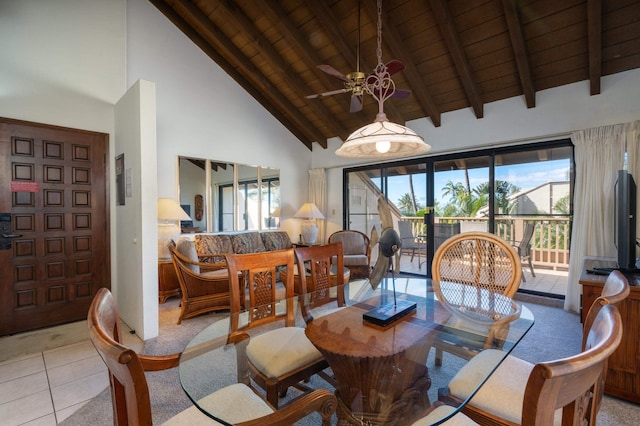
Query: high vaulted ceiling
(457, 54)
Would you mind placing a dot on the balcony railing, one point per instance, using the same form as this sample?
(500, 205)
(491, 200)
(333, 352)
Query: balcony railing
(549, 245)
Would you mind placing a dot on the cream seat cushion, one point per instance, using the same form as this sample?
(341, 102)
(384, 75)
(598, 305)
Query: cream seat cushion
(503, 392)
(440, 413)
(282, 350)
(224, 403)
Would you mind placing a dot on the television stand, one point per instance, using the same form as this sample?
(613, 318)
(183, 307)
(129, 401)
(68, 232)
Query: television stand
(623, 370)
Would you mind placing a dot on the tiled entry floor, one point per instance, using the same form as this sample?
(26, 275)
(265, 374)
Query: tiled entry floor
(44, 388)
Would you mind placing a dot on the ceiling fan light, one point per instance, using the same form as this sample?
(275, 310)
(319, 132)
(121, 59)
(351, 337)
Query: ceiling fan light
(401, 141)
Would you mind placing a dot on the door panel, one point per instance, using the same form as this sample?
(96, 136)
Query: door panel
(54, 185)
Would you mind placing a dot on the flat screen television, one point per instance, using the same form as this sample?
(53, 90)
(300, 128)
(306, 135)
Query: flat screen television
(625, 193)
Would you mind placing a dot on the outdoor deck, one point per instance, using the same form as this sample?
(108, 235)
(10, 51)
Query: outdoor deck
(545, 281)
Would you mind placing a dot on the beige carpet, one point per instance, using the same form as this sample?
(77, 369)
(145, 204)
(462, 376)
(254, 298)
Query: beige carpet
(546, 340)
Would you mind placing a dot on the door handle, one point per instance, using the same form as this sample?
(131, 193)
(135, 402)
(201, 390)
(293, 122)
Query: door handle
(11, 235)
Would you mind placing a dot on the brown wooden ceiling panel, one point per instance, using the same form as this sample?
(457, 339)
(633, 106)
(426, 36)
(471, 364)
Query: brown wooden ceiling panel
(502, 49)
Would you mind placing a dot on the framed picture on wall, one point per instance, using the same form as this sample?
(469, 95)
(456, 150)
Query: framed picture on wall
(120, 183)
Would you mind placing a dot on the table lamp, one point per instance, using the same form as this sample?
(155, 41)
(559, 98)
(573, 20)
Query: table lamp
(310, 212)
(169, 215)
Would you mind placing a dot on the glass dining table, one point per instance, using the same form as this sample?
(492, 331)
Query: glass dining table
(379, 346)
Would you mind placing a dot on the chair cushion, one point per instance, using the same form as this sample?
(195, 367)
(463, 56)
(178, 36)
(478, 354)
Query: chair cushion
(359, 259)
(276, 240)
(441, 412)
(503, 392)
(224, 403)
(247, 242)
(187, 248)
(217, 273)
(282, 350)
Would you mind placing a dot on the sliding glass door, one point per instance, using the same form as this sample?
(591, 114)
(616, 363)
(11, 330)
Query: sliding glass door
(505, 191)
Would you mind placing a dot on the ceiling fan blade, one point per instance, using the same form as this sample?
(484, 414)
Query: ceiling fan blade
(394, 66)
(334, 72)
(323, 94)
(356, 103)
(401, 94)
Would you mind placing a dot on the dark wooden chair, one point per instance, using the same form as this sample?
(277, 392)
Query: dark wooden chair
(204, 287)
(514, 377)
(130, 392)
(479, 259)
(314, 271)
(278, 358)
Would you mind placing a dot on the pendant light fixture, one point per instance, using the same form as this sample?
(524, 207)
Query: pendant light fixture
(382, 139)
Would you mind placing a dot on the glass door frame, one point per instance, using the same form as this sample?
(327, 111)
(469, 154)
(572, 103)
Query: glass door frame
(429, 163)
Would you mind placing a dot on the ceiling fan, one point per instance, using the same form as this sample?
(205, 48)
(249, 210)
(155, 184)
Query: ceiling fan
(357, 82)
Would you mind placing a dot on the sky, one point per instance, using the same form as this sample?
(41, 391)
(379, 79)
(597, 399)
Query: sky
(524, 176)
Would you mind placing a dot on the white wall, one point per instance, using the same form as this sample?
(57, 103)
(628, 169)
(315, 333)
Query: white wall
(137, 219)
(559, 111)
(203, 113)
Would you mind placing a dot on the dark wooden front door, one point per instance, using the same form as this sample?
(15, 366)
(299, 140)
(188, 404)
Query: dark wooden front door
(54, 223)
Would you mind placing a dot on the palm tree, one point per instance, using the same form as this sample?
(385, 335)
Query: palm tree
(562, 205)
(406, 205)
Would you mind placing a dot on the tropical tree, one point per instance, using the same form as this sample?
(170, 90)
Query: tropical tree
(405, 204)
(562, 206)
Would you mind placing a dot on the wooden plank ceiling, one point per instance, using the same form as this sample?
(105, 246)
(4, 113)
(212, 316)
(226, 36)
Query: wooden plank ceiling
(457, 54)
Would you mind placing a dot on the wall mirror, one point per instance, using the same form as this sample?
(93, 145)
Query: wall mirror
(223, 196)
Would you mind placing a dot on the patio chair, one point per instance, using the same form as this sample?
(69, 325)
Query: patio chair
(130, 392)
(523, 247)
(411, 244)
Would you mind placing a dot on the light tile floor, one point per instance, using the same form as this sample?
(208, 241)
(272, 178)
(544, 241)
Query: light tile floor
(44, 388)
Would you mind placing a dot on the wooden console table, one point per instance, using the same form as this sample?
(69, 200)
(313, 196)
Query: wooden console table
(168, 285)
(623, 374)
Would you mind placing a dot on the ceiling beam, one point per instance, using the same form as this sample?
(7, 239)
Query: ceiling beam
(245, 73)
(520, 51)
(447, 28)
(276, 13)
(323, 13)
(392, 38)
(237, 16)
(594, 25)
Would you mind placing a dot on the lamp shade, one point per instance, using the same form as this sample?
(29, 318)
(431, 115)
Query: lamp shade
(383, 139)
(169, 212)
(169, 209)
(309, 211)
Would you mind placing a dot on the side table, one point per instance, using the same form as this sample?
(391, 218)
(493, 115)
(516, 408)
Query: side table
(623, 367)
(168, 285)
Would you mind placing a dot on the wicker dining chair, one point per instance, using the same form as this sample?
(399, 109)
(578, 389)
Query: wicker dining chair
(478, 259)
